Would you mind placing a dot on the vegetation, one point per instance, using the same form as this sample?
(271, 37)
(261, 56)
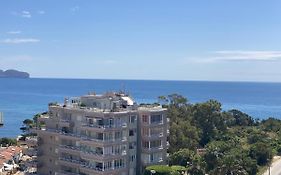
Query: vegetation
(233, 142)
(7, 141)
(164, 170)
(31, 123)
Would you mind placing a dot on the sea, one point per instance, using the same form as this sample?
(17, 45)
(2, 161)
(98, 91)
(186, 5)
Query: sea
(23, 98)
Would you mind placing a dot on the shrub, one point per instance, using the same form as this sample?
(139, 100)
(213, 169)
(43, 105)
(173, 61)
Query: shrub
(164, 170)
(159, 169)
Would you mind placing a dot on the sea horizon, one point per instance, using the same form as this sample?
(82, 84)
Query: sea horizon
(23, 98)
(172, 80)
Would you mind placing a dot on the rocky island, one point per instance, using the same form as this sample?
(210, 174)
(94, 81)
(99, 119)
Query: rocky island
(13, 74)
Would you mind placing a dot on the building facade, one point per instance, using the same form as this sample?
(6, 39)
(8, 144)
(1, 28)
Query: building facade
(101, 134)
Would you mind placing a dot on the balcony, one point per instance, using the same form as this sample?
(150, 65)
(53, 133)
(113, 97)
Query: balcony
(153, 136)
(153, 124)
(99, 171)
(91, 140)
(95, 127)
(90, 155)
(154, 149)
(69, 135)
(69, 149)
(91, 169)
(70, 162)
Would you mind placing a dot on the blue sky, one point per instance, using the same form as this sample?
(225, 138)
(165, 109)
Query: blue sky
(214, 40)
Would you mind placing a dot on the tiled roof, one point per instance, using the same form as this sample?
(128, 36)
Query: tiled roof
(7, 153)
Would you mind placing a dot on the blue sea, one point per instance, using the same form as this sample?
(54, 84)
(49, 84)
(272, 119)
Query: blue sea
(23, 98)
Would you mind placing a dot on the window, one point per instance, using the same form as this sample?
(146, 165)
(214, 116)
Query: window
(151, 157)
(107, 165)
(117, 135)
(155, 144)
(145, 131)
(145, 119)
(133, 119)
(133, 158)
(91, 121)
(132, 145)
(100, 136)
(145, 144)
(156, 119)
(131, 132)
(119, 163)
(156, 130)
(111, 122)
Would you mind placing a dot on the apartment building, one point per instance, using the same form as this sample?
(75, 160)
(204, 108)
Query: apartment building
(101, 134)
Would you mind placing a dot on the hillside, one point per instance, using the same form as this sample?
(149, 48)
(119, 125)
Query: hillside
(13, 74)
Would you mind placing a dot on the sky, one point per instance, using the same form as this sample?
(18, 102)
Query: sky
(214, 40)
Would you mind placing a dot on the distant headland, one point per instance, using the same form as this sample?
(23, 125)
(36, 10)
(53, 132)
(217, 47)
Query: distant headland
(11, 73)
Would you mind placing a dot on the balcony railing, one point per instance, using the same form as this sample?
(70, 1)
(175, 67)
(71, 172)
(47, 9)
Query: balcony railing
(104, 127)
(86, 138)
(89, 167)
(89, 153)
(160, 148)
(154, 136)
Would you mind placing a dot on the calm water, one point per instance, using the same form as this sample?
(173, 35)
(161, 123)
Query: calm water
(22, 98)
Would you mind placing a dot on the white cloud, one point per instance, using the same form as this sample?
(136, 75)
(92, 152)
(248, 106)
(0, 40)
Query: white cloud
(109, 61)
(241, 55)
(25, 14)
(75, 8)
(19, 40)
(236, 55)
(41, 12)
(14, 32)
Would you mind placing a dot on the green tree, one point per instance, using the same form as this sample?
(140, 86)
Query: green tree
(181, 157)
(262, 152)
(209, 118)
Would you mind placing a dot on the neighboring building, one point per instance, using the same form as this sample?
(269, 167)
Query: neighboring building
(9, 158)
(101, 134)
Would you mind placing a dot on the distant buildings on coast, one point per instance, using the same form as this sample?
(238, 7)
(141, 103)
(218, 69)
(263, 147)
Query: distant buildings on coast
(101, 134)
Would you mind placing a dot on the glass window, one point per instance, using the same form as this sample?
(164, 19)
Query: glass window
(156, 118)
(133, 119)
(131, 132)
(145, 119)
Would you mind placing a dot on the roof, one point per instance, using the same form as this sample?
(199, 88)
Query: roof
(130, 102)
(7, 153)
